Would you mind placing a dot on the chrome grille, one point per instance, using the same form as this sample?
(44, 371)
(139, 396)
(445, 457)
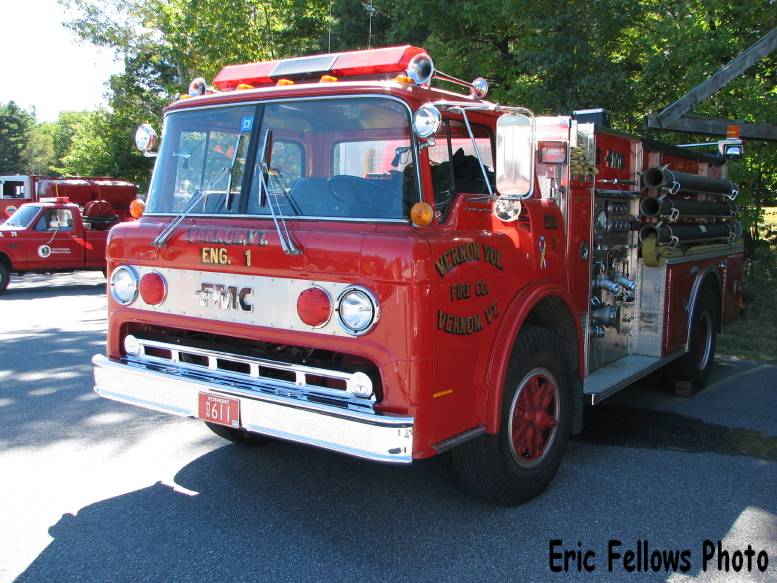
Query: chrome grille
(247, 368)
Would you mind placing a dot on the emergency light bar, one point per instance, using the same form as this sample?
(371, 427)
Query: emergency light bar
(385, 61)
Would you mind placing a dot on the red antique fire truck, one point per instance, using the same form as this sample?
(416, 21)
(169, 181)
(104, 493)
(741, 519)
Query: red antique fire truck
(335, 252)
(16, 190)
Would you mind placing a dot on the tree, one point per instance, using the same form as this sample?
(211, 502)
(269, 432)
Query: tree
(15, 126)
(38, 153)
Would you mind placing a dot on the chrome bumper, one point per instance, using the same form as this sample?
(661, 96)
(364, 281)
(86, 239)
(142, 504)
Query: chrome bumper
(268, 407)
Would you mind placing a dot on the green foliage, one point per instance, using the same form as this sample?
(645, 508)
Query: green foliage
(632, 57)
(15, 126)
(38, 154)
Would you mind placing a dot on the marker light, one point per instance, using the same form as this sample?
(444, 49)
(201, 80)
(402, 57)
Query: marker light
(283, 82)
(403, 79)
(357, 310)
(421, 214)
(131, 345)
(136, 208)
(359, 385)
(328, 79)
(314, 307)
(124, 285)
(244, 86)
(153, 288)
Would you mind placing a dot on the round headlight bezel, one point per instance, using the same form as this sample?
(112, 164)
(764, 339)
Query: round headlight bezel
(135, 281)
(373, 302)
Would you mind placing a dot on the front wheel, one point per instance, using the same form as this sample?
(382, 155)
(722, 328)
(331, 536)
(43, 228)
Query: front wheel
(240, 436)
(5, 276)
(518, 463)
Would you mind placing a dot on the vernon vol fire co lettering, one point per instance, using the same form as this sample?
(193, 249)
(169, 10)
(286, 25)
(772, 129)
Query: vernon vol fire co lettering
(225, 297)
(467, 253)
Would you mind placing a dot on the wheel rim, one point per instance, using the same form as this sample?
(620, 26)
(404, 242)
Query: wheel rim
(703, 340)
(534, 417)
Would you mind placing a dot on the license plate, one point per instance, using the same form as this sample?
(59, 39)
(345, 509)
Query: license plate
(221, 410)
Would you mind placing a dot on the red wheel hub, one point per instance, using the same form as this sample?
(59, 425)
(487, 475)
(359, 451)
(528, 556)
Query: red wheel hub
(534, 418)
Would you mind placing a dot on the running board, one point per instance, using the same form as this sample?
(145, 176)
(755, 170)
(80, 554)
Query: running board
(609, 379)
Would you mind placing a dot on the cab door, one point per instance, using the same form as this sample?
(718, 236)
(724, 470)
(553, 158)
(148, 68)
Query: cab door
(55, 242)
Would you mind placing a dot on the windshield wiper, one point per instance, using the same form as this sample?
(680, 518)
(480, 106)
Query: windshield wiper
(287, 243)
(161, 239)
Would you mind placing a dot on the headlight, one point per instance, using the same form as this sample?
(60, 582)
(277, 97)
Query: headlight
(357, 310)
(124, 285)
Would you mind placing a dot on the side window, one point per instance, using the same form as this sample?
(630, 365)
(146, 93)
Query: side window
(55, 220)
(455, 167)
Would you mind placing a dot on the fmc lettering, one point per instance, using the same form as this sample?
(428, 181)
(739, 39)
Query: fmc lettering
(225, 297)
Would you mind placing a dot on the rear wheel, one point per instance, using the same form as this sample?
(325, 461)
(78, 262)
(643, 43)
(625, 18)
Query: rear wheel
(238, 435)
(5, 276)
(692, 369)
(517, 464)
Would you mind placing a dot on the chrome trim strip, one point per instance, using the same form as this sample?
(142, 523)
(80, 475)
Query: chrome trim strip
(371, 436)
(255, 365)
(269, 218)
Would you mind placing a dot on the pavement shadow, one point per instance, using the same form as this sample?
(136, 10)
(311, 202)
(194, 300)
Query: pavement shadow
(285, 512)
(46, 390)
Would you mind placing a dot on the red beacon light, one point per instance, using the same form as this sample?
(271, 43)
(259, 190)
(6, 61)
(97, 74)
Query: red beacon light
(384, 63)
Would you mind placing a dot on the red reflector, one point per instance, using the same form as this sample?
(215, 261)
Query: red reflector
(153, 288)
(314, 307)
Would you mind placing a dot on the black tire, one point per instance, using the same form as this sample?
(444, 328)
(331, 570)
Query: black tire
(5, 276)
(490, 466)
(240, 436)
(690, 371)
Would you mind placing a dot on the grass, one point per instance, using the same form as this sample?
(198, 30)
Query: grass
(754, 335)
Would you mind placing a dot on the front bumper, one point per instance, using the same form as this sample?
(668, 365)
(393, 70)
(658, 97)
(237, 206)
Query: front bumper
(268, 408)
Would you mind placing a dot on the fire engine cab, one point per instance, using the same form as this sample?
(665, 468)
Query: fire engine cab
(336, 252)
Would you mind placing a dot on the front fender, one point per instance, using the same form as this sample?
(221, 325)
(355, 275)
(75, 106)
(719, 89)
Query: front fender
(520, 307)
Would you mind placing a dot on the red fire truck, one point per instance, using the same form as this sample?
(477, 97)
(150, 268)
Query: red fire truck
(337, 253)
(16, 190)
(55, 236)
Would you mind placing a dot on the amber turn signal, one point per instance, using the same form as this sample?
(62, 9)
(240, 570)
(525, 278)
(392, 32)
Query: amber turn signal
(421, 214)
(137, 208)
(404, 79)
(328, 79)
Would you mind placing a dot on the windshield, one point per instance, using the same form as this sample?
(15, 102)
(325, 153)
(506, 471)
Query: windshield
(23, 217)
(328, 158)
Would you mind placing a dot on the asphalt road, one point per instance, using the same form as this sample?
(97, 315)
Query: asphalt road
(92, 490)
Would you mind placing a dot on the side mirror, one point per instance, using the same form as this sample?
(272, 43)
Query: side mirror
(146, 139)
(515, 155)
